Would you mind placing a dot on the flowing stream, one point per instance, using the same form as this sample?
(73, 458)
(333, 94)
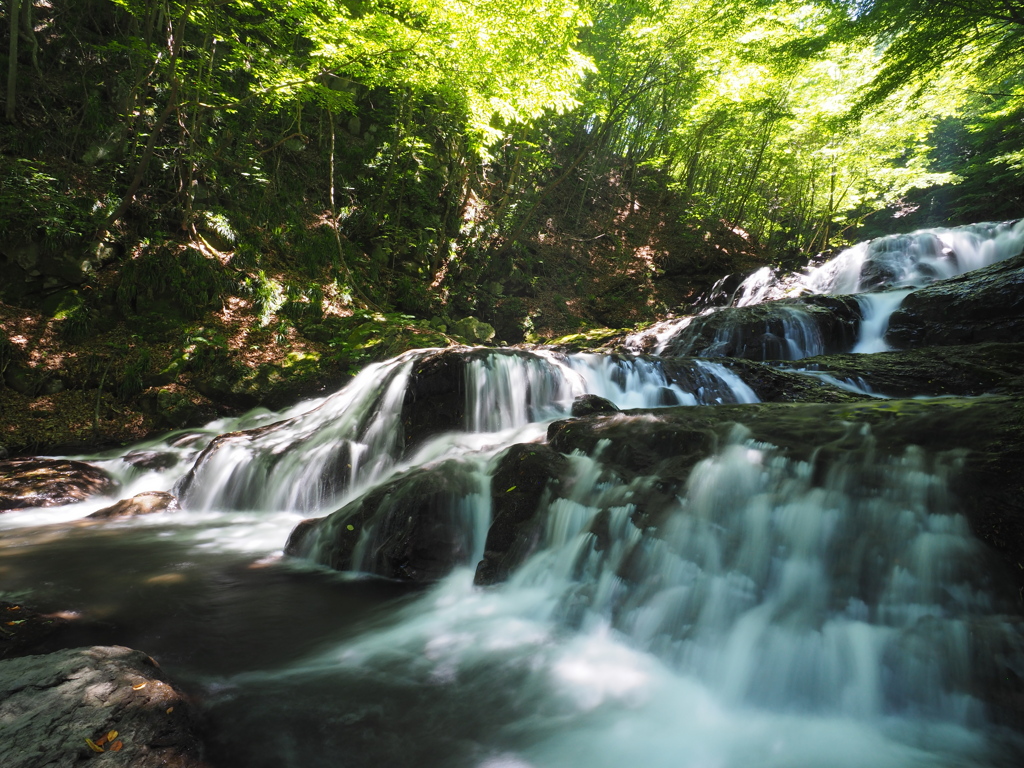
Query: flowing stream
(776, 618)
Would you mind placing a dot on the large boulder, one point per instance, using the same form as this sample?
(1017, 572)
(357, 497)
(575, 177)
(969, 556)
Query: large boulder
(435, 400)
(410, 528)
(584, 405)
(41, 482)
(975, 369)
(788, 329)
(472, 330)
(518, 486)
(62, 709)
(983, 305)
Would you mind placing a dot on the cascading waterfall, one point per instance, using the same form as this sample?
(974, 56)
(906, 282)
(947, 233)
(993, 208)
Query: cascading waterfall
(917, 258)
(308, 461)
(784, 593)
(353, 439)
(876, 309)
(870, 269)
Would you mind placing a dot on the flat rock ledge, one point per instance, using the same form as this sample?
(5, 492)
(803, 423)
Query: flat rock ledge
(51, 704)
(42, 482)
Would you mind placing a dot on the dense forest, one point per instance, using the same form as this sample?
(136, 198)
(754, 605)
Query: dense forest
(206, 205)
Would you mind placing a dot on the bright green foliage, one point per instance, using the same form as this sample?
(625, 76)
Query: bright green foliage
(724, 100)
(398, 153)
(923, 40)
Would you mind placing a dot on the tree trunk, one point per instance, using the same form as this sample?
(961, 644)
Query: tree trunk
(12, 62)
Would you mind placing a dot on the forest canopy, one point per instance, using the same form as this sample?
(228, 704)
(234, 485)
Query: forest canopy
(400, 143)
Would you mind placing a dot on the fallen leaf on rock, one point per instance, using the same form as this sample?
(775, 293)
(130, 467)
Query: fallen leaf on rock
(169, 710)
(111, 735)
(138, 687)
(93, 745)
(116, 746)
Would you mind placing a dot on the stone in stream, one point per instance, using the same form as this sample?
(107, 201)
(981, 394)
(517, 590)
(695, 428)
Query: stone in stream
(983, 305)
(584, 405)
(410, 528)
(964, 370)
(150, 460)
(787, 329)
(140, 504)
(42, 482)
(51, 704)
(518, 486)
(24, 631)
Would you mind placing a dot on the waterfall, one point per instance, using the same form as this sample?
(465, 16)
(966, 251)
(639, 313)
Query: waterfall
(881, 272)
(354, 439)
(917, 258)
(876, 309)
(307, 461)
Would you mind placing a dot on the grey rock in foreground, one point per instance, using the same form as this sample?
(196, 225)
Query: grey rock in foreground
(50, 704)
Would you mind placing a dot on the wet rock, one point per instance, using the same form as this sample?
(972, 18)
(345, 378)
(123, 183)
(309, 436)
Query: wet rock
(150, 460)
(410, 529)
(647, 442)
(297, 544)
(140, 504)
(773, 384)
(50, 704)
(518, 488)
(776, 330)
(435, 400)
(976, 369)
(979, 306)
(39, 482)
(587, 404)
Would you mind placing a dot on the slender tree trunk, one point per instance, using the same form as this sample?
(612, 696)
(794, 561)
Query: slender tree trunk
(12, 62)
(30, 37)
